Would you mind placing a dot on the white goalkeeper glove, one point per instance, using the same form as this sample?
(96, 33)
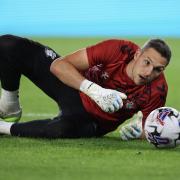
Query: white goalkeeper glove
(107, 99)
(132, 130)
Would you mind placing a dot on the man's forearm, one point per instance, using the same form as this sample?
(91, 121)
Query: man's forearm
(66, 73)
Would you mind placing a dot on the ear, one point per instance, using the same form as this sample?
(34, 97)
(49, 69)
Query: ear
(137, 54)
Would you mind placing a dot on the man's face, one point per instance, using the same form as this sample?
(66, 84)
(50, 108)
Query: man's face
(148, 65)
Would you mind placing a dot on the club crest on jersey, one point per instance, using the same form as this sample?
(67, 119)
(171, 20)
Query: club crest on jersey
(129, 104)
(50, 53)
(162, 115)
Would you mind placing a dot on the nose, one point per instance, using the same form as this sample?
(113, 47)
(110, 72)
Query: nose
(148, 71)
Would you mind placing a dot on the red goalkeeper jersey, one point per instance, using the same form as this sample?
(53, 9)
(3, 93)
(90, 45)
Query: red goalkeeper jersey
(108, 61)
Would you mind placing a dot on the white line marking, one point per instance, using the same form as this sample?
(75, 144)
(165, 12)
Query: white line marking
(38, 115)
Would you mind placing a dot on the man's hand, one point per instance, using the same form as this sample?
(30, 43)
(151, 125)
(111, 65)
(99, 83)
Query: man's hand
(132, 130)
(107, 99)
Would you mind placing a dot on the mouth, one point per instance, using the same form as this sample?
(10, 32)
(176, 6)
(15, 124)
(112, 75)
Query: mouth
(142, 78)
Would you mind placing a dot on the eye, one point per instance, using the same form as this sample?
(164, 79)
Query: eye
(147, 62)
(159, 69)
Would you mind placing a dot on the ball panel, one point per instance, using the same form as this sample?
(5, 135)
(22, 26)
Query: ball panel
(162, 127)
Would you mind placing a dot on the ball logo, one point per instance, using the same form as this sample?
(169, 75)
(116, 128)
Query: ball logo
(162, 115)
(157, 140)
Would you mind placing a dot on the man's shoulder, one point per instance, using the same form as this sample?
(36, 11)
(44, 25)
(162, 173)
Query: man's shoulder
(120, 42)
(160, 79)
(160, 85)
(121, 45)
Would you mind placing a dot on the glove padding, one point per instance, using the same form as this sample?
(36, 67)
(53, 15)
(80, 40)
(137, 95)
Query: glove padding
(132, 130)
(107, 99)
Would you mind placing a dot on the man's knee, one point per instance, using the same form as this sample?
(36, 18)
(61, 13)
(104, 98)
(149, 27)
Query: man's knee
(70, 127)
(60, 128)
(7, 41)
(7, 37)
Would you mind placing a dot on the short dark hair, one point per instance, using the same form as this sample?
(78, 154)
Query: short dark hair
(160, 46)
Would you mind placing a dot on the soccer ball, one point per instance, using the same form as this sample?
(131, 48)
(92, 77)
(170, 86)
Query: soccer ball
(162, 127)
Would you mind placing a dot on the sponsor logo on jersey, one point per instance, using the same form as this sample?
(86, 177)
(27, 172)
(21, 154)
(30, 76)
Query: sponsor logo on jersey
(96, 74)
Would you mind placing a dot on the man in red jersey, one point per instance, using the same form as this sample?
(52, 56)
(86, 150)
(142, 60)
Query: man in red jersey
(97, 88)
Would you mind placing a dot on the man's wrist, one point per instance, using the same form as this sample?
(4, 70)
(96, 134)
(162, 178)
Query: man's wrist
(85, 85)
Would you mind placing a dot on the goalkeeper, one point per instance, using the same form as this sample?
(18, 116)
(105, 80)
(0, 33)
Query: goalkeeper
(97, 88)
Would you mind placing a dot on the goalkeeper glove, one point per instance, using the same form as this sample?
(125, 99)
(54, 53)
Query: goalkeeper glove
(132, 130)
(107, 99)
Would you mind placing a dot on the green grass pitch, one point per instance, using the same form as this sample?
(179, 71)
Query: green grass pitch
(103, 158)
